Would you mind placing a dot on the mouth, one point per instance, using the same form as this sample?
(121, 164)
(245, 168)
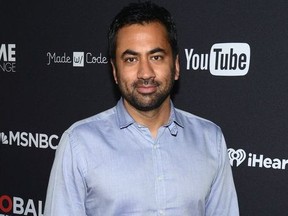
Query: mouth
(146, 89)
(146, 86)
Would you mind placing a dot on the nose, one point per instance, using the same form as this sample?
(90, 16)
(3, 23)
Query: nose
(145, 70)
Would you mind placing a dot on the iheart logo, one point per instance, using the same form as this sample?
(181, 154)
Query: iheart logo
(236, 155)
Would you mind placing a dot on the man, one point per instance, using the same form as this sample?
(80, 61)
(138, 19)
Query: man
(143, 156)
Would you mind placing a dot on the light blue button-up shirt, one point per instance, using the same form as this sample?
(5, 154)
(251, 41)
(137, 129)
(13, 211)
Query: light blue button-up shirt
(108, 165)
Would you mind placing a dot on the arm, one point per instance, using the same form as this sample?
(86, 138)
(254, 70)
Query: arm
(222, 200)
(66, 190)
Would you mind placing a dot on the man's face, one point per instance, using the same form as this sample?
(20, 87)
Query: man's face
(144, 67)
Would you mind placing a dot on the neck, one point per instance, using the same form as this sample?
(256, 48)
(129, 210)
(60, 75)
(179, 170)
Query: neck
(152, 119)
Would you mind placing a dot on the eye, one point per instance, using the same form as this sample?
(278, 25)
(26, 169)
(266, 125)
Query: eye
(157, 58)
(130, 59)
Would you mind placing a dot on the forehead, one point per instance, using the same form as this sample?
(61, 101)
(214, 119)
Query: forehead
(142, 35)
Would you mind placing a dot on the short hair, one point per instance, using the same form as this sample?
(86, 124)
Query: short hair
(141, 13)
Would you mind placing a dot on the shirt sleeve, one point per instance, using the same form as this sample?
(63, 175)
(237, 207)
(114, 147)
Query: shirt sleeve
(66, 189)
(222, 200)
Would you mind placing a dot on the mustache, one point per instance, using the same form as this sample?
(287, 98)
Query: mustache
(145, 82)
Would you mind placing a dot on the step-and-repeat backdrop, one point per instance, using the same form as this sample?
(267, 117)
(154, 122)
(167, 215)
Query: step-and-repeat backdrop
(54, 71)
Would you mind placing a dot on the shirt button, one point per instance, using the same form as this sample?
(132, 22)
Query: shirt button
(161, 212)
(155, 146)
(160, 178)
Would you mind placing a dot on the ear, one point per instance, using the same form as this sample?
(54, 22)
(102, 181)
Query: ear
(177, 68)
(114, 71)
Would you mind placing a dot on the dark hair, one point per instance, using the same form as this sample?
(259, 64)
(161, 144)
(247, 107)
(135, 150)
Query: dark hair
(140, 13)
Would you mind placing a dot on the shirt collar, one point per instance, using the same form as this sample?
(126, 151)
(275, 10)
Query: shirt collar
(125, 120)
(174, 121)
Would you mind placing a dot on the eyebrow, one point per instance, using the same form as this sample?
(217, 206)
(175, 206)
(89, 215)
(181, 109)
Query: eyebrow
(134, 53)
(129, 52)
(156, 50)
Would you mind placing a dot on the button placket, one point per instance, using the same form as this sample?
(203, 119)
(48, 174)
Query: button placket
(159, 178)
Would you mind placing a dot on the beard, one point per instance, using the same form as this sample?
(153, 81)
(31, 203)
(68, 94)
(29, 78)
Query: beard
(147, 101)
